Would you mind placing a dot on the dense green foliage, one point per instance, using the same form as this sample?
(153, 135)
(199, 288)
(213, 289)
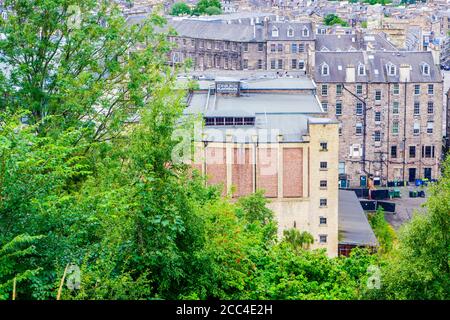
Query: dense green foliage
(383, 230)
(208, 7)
(332, 19)
(80, 185)
(180, 8)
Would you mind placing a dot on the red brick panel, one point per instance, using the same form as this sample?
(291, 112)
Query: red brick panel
(242, 172)
(292, 172)
(216, 167)
(267, 169)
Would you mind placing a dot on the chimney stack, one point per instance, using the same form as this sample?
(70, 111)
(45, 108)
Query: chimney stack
(350, 73)
(405, 73)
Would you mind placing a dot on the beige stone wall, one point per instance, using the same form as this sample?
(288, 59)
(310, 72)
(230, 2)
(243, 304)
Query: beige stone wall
(290, 174)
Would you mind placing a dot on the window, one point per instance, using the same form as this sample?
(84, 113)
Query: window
(377, 95)
(342, 167)
(323, 238)
(275, 32)
(325, 70)
(430, 107)
(416, 128)
(429, 127)
(260, 47)
(294, 48)
(412, 151)
(417, 89)
(428, 151)
(377, 136)
(359, 89)
(359, 108)
(416, 107)
(395, 127)
(290, 32)
(322, 220)
(209, 45)
(425, 69)
(301, 65)
(359, 128)
(273, 47)
(391, 69)
(245, 46)
(395, 105)
(323, 184)
(217, 45)
(245, 64)
(338, 108)
(361, 70)
(305, 32)
(355, 151)
(323, 165)
(260, 64)
(340, 128)
(338, 89)
(323, 202)
(323, 146)
(280, 64)
(325, 106)
(301, 48)
(324, 90)
(377, 116)
(272, 64)
(280, 47)
(393, 151)
(430, 89)
(396, 89)
(294, 63)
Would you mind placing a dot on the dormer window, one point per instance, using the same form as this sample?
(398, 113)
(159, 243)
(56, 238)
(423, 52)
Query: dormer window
(290, 32)
(305, 32)
(275, 32)
(391, 69)
(361, 70)
(325, 70)
(425, 69)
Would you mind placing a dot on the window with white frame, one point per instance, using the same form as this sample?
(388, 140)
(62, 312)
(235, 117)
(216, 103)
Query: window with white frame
(417, 89)
(301, 65)
(377, 116)
(359, 89)
(338, 108)
(377, 95)
(325, 69)
(395, 107)
(396, 89)
(391, 69)
(395, 127)
(430, 107)
(290, 32)
(416, 128)
(305, 32)
(430, 89)
(425, 69)
(324, 90)
(361, 69)
(430, 127)
(359, 108)
(377, 136)
(323, 202)
(323, 238)
(359, 128)
(275, 32)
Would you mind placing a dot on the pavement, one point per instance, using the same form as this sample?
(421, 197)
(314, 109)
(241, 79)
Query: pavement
(406, 206)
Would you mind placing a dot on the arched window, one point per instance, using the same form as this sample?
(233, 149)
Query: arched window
(361, 70)
(425, 69)
(274, 32)
(325, 69)
(290, 32)
(305, 32)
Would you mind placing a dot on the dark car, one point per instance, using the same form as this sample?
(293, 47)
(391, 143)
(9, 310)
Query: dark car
(445, 67)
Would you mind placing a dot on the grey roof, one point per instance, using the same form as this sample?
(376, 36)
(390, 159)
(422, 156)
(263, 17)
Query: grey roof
(352, 42)
(354, 228)
(275, 112)
(215, 30)
(376, 65)
(283, 28)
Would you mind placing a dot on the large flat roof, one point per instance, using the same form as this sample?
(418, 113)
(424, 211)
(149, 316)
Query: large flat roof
(354, 227)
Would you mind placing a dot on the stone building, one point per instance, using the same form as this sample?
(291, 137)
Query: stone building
(270, 134)
(389, 105)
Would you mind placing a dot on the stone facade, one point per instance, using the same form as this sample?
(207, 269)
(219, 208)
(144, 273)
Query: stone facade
(390, 130)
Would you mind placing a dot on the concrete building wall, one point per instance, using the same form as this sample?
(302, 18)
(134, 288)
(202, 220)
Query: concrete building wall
(290, 174)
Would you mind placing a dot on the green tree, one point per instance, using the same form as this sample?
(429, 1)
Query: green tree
(332, 19)
(383, 231)
(207, 7)
(298, 240)
(179, 9)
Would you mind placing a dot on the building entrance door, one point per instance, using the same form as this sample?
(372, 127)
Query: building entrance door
(427, 173)
(412, 174)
